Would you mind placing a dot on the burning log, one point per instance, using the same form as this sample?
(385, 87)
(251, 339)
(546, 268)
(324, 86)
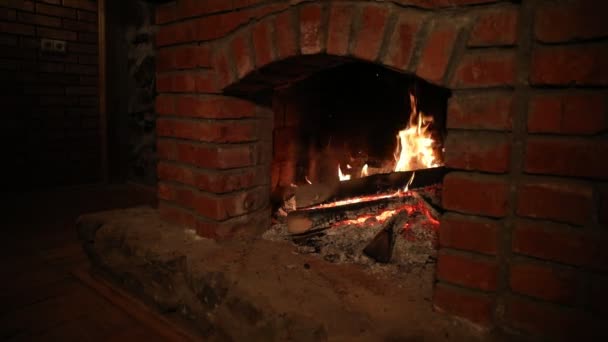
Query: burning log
(304, 220)
(315, 194)
(433, 210)
(282, 200)
(381, 246)
(312, 194)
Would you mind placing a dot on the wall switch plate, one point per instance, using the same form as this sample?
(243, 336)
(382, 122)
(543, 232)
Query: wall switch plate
(59, 46)
(53, 45)
(46, 45)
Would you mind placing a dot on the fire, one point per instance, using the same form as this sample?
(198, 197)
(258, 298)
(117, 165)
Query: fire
(341, 175)
(412, 210)
(364, 172)
(416, 147)
(414, 143)
(344, 177)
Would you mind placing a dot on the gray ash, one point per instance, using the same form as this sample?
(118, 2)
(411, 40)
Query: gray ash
(416, 242)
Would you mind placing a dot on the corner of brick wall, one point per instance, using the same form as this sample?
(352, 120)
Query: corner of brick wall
(479, 64)
(524, 242)
(559, 237)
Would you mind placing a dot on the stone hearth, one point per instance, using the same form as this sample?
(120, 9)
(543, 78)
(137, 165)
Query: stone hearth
(260, 290)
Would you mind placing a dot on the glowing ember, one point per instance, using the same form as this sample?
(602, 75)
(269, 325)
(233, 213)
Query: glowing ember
(418, 210)
(381, 217)
(359, 199)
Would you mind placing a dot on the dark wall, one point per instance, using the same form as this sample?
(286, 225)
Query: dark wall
(50, 116)
(131, 91)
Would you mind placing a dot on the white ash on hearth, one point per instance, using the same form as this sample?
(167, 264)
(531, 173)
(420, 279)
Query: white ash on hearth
(413, 240)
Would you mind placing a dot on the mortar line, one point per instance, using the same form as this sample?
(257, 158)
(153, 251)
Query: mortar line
(519, 137)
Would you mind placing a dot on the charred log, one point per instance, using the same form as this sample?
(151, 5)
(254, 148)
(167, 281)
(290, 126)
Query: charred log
(315, 194)
(304, 220)
(381, 246)
(282, 201)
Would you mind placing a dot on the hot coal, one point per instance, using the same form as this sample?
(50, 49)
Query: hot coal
(415, 242)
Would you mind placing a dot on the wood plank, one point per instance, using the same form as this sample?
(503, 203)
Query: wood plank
(75, 330)
(161, 325)
(41, 300)
(138, 333)
(27, 294)
(44, 315)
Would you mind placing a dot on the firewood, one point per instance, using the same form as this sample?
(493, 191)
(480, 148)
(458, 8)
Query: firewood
(314, 194)
(381, 246)
(434, 210)
(300, 221)
(280, 195)
(299, 224)
(310, 194)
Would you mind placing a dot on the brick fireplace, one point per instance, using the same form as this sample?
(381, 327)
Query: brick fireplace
(523, 240)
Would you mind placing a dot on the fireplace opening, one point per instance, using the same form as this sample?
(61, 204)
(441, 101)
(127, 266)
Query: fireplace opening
(357, 164)
(345, 122)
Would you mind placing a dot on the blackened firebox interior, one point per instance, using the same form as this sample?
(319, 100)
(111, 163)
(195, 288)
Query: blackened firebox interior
(350, 115)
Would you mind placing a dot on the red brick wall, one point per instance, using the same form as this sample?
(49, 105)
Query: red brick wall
(524, 241)
(49, 102)
(287, 113)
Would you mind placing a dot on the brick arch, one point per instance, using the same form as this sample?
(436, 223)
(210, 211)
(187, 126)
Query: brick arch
(199, 186)
(215, 149)
(403, 39)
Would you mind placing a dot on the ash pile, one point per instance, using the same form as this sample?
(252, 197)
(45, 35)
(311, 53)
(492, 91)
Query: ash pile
(349, 223)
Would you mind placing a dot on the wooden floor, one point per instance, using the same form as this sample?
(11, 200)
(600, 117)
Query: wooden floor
(40, 298)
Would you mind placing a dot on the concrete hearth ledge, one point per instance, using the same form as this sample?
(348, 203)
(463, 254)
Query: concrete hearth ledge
(258, 290)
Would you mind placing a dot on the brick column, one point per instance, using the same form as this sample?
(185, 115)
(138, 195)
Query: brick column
(215, 156)
(559, 241)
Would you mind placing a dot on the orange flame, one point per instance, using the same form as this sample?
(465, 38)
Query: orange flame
(364, 171)
(341, 175)
(415, 145)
